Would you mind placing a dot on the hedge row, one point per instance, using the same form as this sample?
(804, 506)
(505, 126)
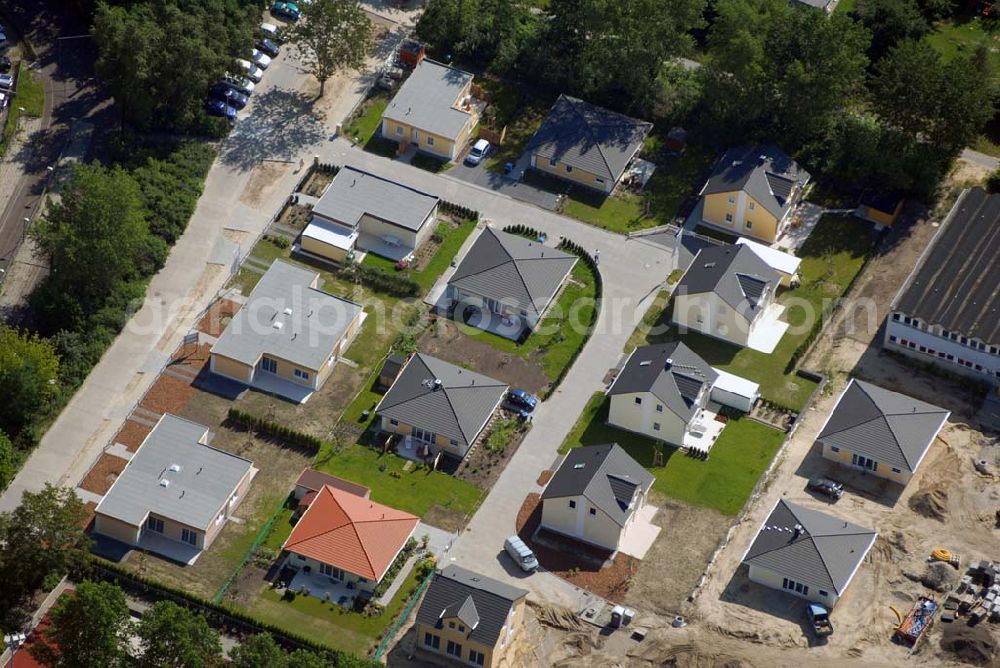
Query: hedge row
(459, 211)
(216, 615)
(280, 431)
(576, 249)
(382, 281)
(523, 231)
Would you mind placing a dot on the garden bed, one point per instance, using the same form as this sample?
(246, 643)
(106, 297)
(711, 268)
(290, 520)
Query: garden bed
(295, 216)
(488, 459)
(317, 182)
(217, 317)
(103, 474)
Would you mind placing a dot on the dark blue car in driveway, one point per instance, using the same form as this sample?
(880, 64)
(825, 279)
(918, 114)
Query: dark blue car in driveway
(229, 95)
(522, 402)
(216, 107)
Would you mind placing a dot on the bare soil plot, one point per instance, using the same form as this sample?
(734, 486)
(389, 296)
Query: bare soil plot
(671, 568)
(218, 316)
(484, 465)
(582, 565)
(103, 474)
(317, 182)
(444, 340)
(132, 434)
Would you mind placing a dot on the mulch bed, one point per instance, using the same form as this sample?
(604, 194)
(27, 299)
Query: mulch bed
(544, 477)
(168, 395)
(578, 563)
(482, 467)
(131, 435)
(90, 506)
(217, 317)
(103, 474)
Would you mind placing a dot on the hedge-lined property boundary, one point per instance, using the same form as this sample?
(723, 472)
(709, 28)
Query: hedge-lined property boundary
(275, 429)
(523, 231)
(570, 246)
(216, 615)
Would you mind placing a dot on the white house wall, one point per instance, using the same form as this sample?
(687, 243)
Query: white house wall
(624, 413)
(896, 332)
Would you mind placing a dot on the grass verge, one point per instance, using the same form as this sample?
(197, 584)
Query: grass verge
(368, 118)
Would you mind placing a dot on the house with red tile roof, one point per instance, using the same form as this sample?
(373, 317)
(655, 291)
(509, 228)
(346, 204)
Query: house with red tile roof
(347, 539)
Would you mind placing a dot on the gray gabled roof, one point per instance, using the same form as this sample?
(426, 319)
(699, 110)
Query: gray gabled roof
(426, 99)
(206, 479)
(672, 372)
(734, 272)
(481, 602)
(823, 552)
(764, 172)
(517, 271)
(588, 137)
(458, 409)
(955, 284)
(603, 474)
(889, 427)
(354, 193)
(285, 317)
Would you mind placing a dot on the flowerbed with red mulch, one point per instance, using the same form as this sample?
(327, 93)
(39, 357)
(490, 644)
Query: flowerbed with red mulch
(132, 434)
(168, 395)
(217, 317)
(578, 563)
(103, 474)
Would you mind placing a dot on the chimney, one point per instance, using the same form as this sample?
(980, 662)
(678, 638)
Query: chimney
(437, 383)
(798, 531)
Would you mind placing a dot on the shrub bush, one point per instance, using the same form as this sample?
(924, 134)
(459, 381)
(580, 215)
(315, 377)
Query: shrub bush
(458, 210)
(523, 231)
(376, 279)
(279, 431)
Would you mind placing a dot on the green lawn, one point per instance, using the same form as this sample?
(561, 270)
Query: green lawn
(329, 623)
(30, 97)
(453, 238)
(368, 119)
(428, 163)
(520, 128)
(723, 481)
(674, 180)
(414, 491)
(554, 342)
(832, 255)
(268, 251)
(951, 38)
(280, 530)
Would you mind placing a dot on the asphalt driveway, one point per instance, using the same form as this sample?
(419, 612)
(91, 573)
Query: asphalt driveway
(481, 176)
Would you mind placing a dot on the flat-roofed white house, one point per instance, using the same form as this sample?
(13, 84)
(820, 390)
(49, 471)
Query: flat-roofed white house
(884, 433)
(175, 493)
(728, 293)
(288, 335)
(361, 211)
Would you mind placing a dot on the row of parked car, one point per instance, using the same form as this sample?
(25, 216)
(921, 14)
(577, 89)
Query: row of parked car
(231, 94)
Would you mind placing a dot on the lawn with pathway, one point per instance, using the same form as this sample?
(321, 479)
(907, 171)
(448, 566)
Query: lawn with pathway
(722, 482)
(831, 257)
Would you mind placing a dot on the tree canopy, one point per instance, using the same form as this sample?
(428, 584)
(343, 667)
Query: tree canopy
(174, 637)
(89, 628)
(333, 35)
(8, 461)
(29, 371)
(258, 650)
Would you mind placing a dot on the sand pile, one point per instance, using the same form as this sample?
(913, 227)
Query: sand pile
(970, 644)
(931, 502)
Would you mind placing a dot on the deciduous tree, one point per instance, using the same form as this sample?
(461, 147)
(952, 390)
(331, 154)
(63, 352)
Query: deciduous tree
(333, 36)
(8, 461)
(174, 637)
(29, 371)
(259, 650)
(89, 628)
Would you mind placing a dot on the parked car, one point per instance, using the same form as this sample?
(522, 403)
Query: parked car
(830, 488)
(4, 42)
(4, 100)
(217, 107)
(286, 10)
(5, 63)
(520, 553)
(260, 59)
(271, 31)
(225, 92)
(7, 81)
(521, 401)
(250, 70)
(477, 152)
(819, 619)
(269, 47)
(240, 84)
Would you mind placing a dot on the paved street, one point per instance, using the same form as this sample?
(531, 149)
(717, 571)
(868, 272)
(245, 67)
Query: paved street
(631, 270)
(257, 169)
(505, 185)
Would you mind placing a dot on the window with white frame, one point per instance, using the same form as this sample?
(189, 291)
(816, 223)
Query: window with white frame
(304, 375)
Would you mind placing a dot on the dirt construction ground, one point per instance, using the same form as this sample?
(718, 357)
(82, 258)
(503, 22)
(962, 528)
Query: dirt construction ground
(733, 622)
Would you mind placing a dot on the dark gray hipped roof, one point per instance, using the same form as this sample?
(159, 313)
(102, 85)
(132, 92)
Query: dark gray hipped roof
(672, 372)
(764, 172)
(354, 193)
(588, 137)
(604, 474)
(891, 428)
(482, 603)
(427, 99)
(204, 480)
(956, 284)
(734, 272)
(824, 552)
(509, 268)
(458, 409)
(285, 317)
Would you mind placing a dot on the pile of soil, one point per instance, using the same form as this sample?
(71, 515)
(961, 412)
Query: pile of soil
(931, 502)
(557, 617)
(939, 576)
(971, 644)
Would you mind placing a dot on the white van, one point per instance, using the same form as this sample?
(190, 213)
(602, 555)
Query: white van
(520, 553)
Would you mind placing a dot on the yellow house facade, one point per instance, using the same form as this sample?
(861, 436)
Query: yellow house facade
(742, 215)
(433, 111)
(469, 619)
